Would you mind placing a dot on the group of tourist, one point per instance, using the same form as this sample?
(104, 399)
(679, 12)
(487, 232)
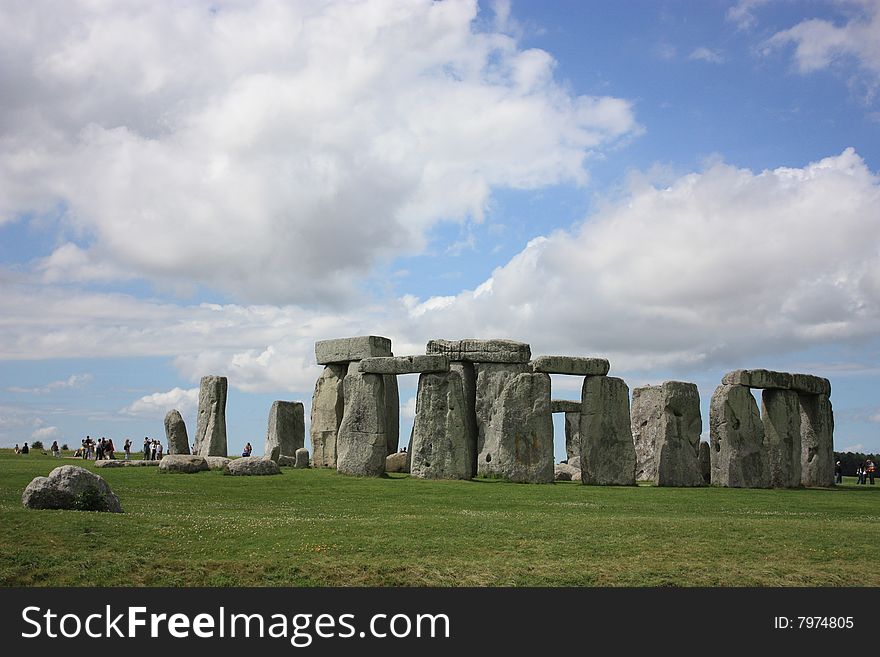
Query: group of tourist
(22, 450)
(100, 450)
(152, 449)
(865, 472)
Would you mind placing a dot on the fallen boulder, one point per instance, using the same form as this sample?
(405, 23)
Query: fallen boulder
(183, 464)
(252, 466)
(71, 487)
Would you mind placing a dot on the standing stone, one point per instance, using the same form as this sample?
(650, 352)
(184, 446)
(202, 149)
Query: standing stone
(469, 386)
(392, 413)
(781, 414)
(573, 438)
(817, 440)
(327, 409)
(677, 452)
(647, 410)
(490, 381)
(302, 458)
(518, 441)
(362, 443)
(441, 447)
(211, 426)
(608, 457)
(706, 462)
(175, 433)
(287, 428)
(736, 433)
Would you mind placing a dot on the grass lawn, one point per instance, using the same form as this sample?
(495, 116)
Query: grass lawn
(318, 528)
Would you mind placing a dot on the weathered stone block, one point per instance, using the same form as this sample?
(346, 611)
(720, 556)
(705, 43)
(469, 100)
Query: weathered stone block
(327, 411)
(175, 433)
(573, 438)
(518, 441)
(468, 377)
(757, 379)
(573, 365)
(814, 385)
(607, 453)
(346, 350)
(302, 458)
(442, 447)
(71, 487)
(286, 429)
(677, 451)
(736, 433)
(211, 425)
(362, 442)
(706, 462)
(251, 466)
(183, 464)
(392, 413)
(564, 406)
(405, 364)
(817, 440)
(490, 381)
(781, 415)
(647, 409)
(397, 462)
(482, 351)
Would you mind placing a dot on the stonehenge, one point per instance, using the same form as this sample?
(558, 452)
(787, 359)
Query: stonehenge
(211, 425)
(286, 431)
(484, 408)
(789, 444)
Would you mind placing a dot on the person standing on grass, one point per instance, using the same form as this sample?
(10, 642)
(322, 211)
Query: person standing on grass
(859, 475)
(55, 451)
(111, 448)
(838, 473)
(869, 470)
(99, 450)
(126, 447)
(158, 450)
(146, 449)
(25, 449)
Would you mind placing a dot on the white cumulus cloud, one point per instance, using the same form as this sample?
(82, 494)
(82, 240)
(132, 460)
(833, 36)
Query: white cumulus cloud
(273, 151)
(159, 403)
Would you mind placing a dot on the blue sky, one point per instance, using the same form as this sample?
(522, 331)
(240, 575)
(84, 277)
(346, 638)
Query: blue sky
(683, 187)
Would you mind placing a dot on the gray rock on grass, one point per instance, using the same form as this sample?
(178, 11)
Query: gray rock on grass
(397, 462)
(302, 458)
(183, 464)
(249, 466)
(71, 487)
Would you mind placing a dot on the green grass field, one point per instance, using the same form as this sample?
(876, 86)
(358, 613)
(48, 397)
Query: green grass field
(318, 528)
